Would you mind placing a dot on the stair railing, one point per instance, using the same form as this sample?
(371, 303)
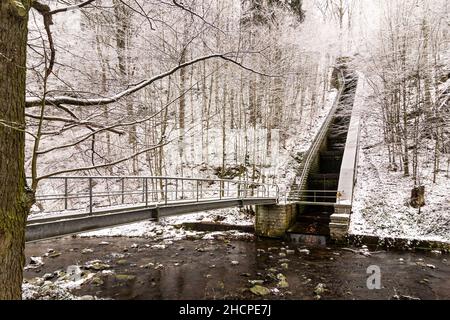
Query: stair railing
(317, 142)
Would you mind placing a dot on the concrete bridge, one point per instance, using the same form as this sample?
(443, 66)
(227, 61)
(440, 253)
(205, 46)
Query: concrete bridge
(316, 207)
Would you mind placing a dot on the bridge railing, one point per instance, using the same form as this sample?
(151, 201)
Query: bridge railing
(313, 196)
(93, 192)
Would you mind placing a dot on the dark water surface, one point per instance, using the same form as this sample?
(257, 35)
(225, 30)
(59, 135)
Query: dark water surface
(218, 269)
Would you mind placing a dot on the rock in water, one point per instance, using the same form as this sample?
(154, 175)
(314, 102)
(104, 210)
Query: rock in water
(97, 265)
(282, 282)
(305, 251)
(320, 289)
(125, 277)
(259, 290)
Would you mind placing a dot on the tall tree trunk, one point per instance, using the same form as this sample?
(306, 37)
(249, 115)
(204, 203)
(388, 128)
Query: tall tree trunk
(14, 200)
(123, 38)
(182, 110)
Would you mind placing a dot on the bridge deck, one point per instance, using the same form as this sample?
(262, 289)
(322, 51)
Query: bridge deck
(65, 224)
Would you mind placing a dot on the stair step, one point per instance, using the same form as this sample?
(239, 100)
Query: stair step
(332, 153)
(311, 219)
(318, 210)
(336, 146)
(324, 176)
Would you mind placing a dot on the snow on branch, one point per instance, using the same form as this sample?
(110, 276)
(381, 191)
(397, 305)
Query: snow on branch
(67, 100)
(105, 165)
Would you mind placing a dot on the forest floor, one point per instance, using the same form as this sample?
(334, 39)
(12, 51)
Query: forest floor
(381, 201)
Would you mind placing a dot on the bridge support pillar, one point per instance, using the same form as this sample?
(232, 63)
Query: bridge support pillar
(272, 221)
(340, 222)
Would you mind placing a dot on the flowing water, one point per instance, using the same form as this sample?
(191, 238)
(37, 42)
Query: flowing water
(217, 269)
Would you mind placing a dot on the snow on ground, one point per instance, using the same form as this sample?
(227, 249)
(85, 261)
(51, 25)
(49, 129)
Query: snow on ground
(381, 198)
(168, 229)
(299, 142)
(41, 288)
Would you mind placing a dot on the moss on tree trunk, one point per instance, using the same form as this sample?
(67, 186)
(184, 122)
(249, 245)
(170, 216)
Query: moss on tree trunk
(14, 203)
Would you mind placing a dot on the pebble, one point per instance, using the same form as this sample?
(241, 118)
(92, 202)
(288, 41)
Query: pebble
(159, 246)
(254, 282)
(319, 289)
(259, 290)
(48, 276)
(36, 261)
(97, 265)
(148, 265)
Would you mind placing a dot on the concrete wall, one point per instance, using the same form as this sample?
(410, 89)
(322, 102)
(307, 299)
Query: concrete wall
(272, 221)
(347, 176)
(340, 222)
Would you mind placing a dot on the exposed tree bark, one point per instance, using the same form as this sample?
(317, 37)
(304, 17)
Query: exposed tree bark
(15, 201)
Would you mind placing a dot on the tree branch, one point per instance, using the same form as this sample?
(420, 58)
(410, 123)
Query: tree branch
(35, 101)
(179, 5)
(72, 121)
(113, 163)
(70, 8)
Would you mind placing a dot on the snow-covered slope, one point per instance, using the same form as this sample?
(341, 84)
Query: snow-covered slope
(381, 203)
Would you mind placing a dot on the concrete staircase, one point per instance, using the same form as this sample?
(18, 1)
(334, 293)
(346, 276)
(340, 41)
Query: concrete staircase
(313, 220)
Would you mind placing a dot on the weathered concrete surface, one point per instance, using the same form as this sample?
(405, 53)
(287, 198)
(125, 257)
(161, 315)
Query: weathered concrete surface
(340, 220)
(44, 229)
(347, 176)
(272, 221)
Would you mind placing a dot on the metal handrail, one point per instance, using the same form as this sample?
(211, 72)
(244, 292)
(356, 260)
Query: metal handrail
(157, 189)
(306, 163)
(300, 195)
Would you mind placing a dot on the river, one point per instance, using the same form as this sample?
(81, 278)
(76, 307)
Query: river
(139, 268)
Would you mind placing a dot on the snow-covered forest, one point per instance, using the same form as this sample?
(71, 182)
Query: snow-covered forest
(234, 89)
(207, 118)
(253, 120)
